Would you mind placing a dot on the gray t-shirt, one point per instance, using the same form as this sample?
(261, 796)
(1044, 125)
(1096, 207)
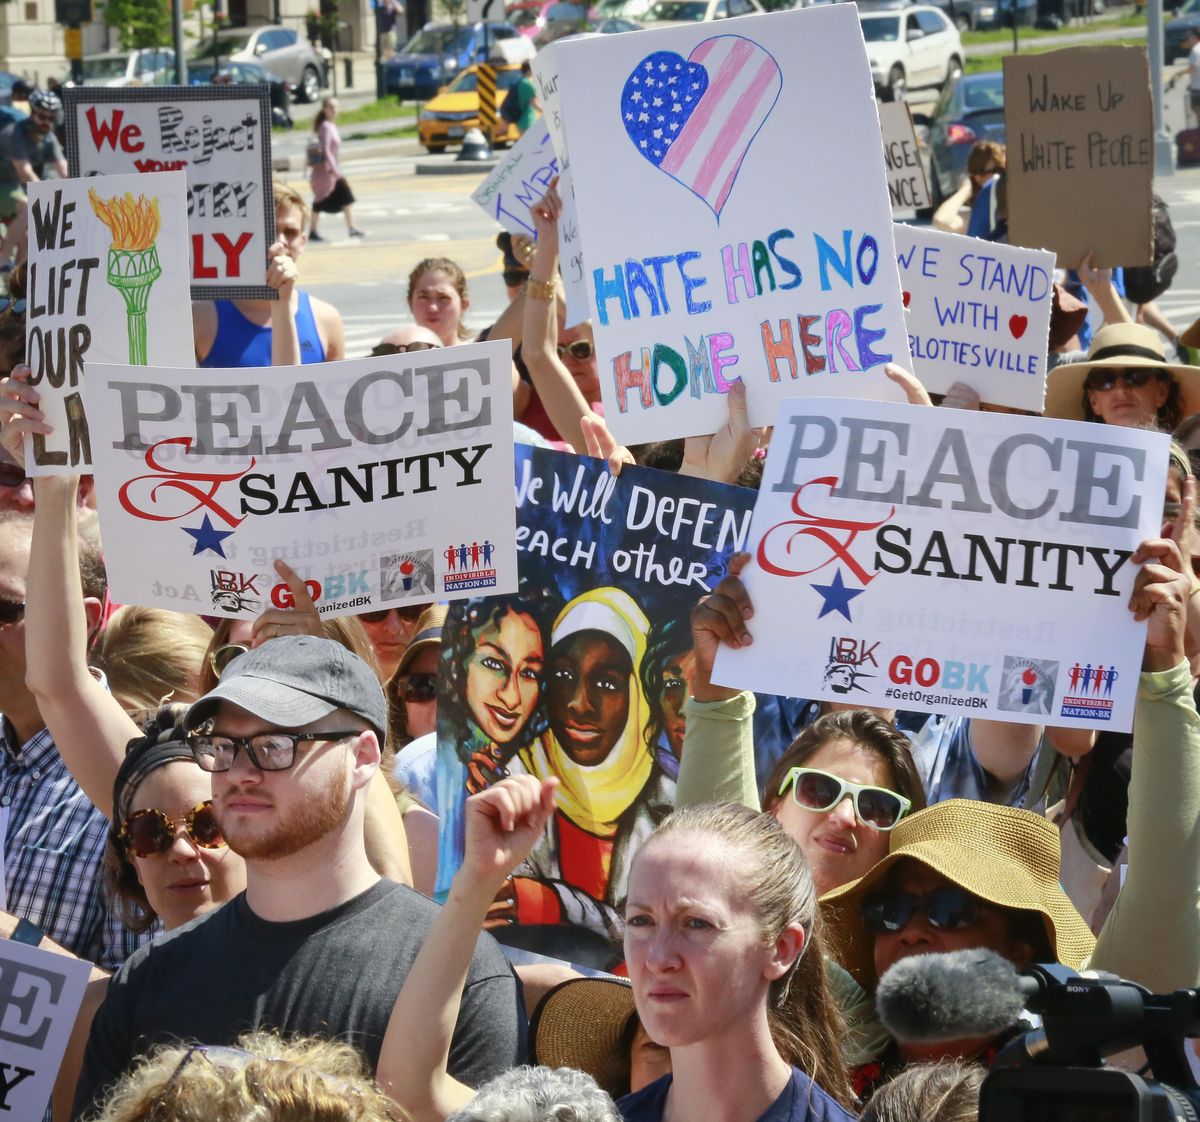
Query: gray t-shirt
(335, 975)
(21, 141)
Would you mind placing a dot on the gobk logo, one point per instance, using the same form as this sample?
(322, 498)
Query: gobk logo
(950, 675)
(337, 587)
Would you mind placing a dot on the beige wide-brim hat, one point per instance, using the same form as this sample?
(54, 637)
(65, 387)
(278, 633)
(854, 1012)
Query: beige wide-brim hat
(583, 1023)
(1124, 345)
(1005, 856)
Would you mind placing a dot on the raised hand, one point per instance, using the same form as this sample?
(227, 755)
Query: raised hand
(720, 618)
(300, 619)
(914, 391)
(282, 273)
(19, 412)
(603, 445)
(1160, 596)
(502, 825)
(722, 456)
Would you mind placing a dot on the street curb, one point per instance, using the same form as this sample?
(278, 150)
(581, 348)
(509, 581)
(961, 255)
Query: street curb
(348, 155)
(457, 167)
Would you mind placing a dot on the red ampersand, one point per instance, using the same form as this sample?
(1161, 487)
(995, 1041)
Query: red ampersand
(818, 528)
(165, 478)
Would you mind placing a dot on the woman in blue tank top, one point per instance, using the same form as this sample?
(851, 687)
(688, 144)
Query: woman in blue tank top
(241, 343)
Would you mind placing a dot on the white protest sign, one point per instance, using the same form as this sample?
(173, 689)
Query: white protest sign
(978, 312)
(108, 282)
(40, 995)
(734, 216)
(519, 180)
(570, 250)
(907, 188)
(950, 561)
(220, 136)
(379, 480)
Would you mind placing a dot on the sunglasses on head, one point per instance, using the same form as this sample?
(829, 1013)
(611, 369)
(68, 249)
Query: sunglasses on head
(381, 349)
(876, 807)
(224, 655)
(148, 832)
(410, 614)
(948, 908)
(581, 349)
(417, 687)
(1132, 378)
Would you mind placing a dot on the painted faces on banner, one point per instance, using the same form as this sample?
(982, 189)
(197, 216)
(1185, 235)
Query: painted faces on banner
(581, 676)
(750, 237)
(379, 481)
(958, 562)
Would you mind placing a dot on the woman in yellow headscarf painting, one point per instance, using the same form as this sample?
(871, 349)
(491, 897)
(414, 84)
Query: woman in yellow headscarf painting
(612, 793)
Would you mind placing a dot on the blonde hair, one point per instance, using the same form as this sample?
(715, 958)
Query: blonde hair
(265, 1079)
(946, 1091)
(288, 197)
(806, 1024)
(151, 656)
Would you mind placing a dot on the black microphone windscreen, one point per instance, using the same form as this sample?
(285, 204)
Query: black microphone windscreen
(929, 998)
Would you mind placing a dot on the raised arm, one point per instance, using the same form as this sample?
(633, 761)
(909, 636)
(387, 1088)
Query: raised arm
(282, 276)
(502, 825)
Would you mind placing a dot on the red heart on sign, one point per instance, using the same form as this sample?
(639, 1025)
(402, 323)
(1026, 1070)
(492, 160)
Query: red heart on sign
(907, 298)
(1017, 325)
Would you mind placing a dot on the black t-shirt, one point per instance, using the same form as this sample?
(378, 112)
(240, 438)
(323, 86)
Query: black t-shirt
(21, 141)
(335, 975)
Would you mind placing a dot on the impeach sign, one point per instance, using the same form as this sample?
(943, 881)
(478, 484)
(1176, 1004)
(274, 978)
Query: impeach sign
(221, 137)
(950, 561)
(1080, 130)
(519, 180)
(379, 480)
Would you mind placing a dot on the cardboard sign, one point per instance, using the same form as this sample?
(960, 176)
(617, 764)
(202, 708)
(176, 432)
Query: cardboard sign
(220, 136)
(978, 312)
(907, 187)
(379, 480)
(574, 275)
(723, 237)
(1079, 125)
(519, 180)
(108, 282)
(611, 568)
(40, 995)
(950, 561)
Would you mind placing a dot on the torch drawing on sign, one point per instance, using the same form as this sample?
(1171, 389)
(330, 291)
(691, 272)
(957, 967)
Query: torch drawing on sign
(132, 259)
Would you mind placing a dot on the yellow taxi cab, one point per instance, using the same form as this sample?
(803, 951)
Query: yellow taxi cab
(447, 116)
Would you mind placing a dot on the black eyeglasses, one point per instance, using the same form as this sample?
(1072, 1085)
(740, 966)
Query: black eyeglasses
(224, 655)
(1133, 378)
(11, 611)
(417, 687)
(11, 475)
(268, 751)
(381, 349)
(949, 908)
(411, 614)
(581, 349)
(148, 832)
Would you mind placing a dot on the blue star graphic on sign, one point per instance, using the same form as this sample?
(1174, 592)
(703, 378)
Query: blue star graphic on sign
(837, 596)
(208, 537)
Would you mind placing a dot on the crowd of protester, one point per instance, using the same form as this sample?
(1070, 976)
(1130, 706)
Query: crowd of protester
(254, 891)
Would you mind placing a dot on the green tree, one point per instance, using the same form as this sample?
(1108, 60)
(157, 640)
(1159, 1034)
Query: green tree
(139, 23)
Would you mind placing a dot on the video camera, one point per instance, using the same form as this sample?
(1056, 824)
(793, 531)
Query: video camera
(1055, 1073)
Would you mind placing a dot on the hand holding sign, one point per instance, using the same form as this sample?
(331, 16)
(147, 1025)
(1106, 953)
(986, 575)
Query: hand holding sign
(296, 612)
(20, 413)
(1160, 596)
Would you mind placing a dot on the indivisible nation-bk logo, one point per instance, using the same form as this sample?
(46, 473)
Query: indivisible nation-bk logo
(469, 566)
(1088, 683)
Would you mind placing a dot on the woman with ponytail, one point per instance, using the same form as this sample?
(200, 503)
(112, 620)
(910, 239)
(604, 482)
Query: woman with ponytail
(723, 946)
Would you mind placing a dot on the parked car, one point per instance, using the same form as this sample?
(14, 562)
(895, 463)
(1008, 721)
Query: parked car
(437, 52)
(970, 109)
(622, 9)
(912, 48)
(615, 25)
(281, 51)
(244, 74)
(1176, 30)
(665, 12)
(446, 117)
(129, 68)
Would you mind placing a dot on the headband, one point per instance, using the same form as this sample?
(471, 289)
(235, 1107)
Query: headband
(1127, 350)
(144, 755)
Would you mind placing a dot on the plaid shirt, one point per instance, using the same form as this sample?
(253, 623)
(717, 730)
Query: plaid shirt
(53, 845)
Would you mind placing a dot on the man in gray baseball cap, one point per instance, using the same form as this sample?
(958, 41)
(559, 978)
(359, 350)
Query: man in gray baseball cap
(318, 943)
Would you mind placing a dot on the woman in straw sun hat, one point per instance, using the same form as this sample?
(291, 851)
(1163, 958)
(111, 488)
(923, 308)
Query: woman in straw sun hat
(1126, 380)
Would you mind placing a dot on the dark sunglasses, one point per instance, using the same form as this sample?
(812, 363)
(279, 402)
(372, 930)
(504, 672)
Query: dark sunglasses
(417, 687)
(381, 349)
(11, 611)
(148, 832)
(949, 908)
(268, 751)
(224, 655)
(1133, 378)
(514, 278)
(11, 475)
(581, 349)
(876, 807)
(17, 307)
(411, 614)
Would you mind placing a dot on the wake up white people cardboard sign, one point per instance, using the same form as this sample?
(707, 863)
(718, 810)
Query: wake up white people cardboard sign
(380, 481)
(735, 217)
(950, 561)
(108, 275)
(582, 675)
(978, 312)
(220, 137)
(40, 995)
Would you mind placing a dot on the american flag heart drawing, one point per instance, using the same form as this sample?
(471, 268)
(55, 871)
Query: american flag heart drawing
(696, 117)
